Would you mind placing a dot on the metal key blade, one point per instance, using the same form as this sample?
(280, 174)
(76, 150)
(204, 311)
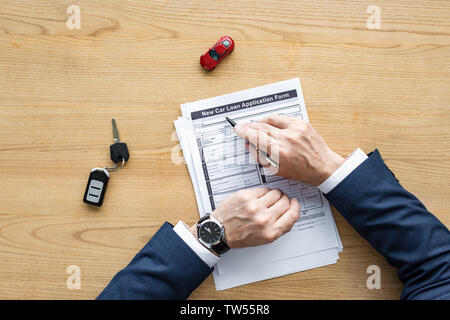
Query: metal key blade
(115, 131)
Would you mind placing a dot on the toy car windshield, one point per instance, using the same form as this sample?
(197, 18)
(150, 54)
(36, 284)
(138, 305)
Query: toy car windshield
(213, 53)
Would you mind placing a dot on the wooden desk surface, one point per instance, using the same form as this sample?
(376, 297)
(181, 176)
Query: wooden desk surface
(138, 60)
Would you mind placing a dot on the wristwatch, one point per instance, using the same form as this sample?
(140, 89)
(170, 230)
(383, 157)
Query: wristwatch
(211, 234)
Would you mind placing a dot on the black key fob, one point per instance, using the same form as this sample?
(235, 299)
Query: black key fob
(119, 151)
(96, 187)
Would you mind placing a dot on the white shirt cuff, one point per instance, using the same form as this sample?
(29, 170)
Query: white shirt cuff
(351, 163)
(207, 256)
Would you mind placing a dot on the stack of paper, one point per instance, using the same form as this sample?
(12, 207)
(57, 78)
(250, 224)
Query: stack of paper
(219, 165)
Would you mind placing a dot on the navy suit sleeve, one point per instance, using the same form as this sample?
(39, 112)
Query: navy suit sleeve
(166, 268)
(398, 225)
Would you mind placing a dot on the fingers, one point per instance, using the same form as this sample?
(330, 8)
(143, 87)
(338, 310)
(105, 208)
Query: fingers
(271, 197)
(257, 156)
(264, 127)
(277, 121)
(256, 135)
(255, 192)
(287, 220)
(280, 207)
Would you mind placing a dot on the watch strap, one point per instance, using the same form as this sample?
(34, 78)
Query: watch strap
(205, 217)
(221, 247)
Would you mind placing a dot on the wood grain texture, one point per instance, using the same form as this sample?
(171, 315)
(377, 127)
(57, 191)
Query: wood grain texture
(138, 60)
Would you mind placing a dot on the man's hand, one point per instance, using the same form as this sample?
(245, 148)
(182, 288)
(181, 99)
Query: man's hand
(254, 217)
(300, 151)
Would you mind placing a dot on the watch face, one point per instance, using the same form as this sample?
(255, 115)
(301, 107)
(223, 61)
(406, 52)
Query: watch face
(210, 232)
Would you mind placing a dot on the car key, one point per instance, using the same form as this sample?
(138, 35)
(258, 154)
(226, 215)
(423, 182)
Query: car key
(96, 186)
(118, 150)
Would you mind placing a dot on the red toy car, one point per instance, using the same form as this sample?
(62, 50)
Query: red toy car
(216, 54)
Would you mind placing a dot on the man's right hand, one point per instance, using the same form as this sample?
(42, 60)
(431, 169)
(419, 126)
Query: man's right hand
(300, 151)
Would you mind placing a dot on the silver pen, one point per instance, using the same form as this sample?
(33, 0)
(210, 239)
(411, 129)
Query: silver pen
(264, 154)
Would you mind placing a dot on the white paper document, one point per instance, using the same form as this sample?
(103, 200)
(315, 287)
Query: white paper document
(219, 165)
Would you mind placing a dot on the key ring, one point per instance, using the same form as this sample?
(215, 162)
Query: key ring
(115, 167)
